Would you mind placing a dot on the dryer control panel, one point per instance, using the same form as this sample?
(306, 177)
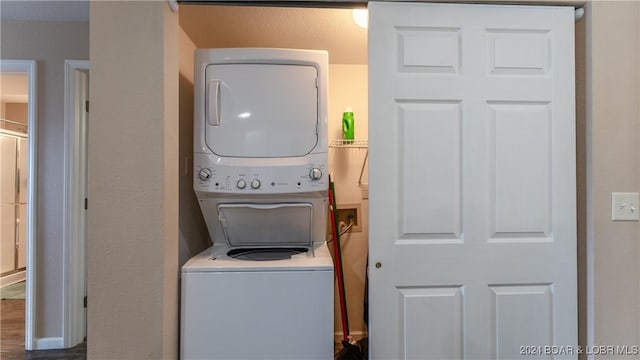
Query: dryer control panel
(247, 179)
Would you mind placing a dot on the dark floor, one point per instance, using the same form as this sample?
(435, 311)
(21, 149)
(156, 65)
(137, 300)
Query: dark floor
(12, 337)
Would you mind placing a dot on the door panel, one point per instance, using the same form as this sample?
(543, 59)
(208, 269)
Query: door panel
(511, 307)
(261, 110)
(518, 51)
(432, 315)
(472, 197)
(430, 161)
(519, 141)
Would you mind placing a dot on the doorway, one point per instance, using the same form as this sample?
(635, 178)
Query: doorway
(19, 156)
(14, 140)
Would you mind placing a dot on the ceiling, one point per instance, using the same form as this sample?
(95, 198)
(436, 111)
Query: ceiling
(216, 26)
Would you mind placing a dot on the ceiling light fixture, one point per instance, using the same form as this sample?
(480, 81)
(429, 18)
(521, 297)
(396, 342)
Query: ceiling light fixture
(361, 17)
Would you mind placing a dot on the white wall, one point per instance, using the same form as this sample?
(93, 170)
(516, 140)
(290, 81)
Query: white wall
(49, 43)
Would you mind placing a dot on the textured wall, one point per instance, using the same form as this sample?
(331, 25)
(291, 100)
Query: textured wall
(133, 182)
(613, 133)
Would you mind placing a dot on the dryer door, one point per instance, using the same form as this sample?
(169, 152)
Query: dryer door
(261, 110)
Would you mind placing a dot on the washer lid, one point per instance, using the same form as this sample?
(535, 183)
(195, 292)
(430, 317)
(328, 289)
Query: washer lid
(215, 259)
(261, 110)
(266, 225)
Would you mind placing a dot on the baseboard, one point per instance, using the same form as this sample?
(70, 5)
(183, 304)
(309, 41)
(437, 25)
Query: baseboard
(355, 335)
(48, 343)
(13, 278)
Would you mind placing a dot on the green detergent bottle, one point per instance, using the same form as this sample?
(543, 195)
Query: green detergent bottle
(347, 124)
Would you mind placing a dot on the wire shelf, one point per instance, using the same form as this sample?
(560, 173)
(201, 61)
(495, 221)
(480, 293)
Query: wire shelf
(341, 143)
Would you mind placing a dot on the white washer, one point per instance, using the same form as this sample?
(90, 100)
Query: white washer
(239, 309)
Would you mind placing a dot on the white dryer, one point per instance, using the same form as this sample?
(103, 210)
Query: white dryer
(265, 289)
(260, 145)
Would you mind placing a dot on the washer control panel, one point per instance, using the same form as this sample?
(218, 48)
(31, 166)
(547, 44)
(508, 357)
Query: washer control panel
(248, 180)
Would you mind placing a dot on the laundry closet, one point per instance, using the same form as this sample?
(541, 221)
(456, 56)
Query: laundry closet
(473, 166)
(333, 30)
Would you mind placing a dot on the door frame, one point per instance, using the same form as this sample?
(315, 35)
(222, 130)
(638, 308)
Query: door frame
(74, 218)
(29, 67)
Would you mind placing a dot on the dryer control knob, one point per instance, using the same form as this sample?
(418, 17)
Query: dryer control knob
(205, 174)
(241, 184)
(255, 184)
(315, 174)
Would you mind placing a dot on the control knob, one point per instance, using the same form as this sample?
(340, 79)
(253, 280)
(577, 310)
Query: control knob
(205, 174)
(255, 184)
(241, 184)
(315, 174)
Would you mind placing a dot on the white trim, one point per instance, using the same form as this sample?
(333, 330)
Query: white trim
(30, 68)
(47, 343)
(74, 243)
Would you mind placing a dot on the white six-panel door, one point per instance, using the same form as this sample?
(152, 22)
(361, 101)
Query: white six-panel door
(472, 180)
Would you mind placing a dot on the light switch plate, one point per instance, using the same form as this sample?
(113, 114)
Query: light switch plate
(624, 206)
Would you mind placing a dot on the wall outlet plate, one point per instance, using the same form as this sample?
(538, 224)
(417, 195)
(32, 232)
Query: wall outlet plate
(346, 211)
(625, 206)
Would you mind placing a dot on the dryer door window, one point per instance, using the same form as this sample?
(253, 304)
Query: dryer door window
(261, 110)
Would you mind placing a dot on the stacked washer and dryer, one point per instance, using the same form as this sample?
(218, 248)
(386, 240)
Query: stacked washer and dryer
(264, 290)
